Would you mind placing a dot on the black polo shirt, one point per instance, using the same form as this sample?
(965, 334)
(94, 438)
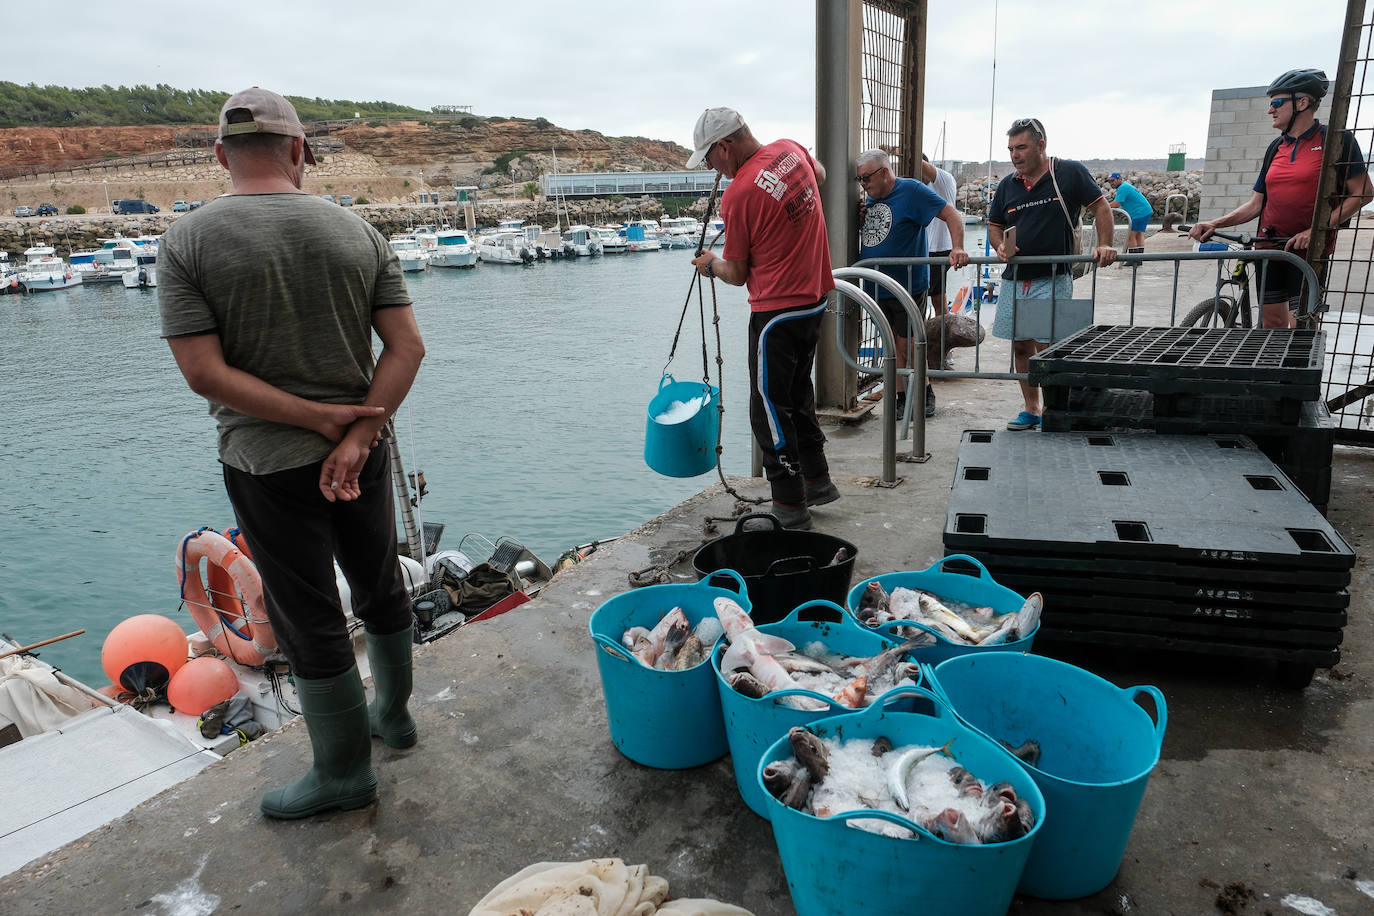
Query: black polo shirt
(1041, 227)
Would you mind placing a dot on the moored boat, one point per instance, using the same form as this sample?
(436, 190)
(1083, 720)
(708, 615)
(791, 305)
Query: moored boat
(43, 270)
(453, 248)
(411, 255)
(507, 247)
(581, 241)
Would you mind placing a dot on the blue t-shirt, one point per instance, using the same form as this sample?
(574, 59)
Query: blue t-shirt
(1041, 226)
(895, 227)
(1132, 201)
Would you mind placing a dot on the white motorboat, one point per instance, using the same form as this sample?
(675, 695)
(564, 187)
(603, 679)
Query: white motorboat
(610, 239)
(581, 241)
(715, 233)
(143, 275)
(43, 270)
(453, 248)
(505, 247)
(413, 257)
(680, 231)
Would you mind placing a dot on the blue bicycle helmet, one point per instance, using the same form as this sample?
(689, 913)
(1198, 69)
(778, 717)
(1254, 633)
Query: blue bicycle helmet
(1299, 82)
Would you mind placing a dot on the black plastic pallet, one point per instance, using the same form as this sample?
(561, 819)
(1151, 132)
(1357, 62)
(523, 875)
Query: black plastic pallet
(1238, 601)
(1213, 501)
(1229, 615)
(1247, 634)
(1218, 578)
(1318, 658)
(1281, 362)
(1124, 408)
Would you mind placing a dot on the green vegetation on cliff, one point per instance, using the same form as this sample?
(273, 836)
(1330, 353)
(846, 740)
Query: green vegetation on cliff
(125, 106)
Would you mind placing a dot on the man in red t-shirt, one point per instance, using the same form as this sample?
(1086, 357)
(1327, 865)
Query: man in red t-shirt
(776, 245)
(1285, 194)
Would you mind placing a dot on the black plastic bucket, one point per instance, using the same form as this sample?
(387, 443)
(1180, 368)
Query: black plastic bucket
(781, 568)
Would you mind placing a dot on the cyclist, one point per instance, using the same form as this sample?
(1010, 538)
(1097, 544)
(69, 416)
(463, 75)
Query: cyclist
(1285, 193)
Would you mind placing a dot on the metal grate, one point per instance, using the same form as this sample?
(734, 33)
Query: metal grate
(890, 114)
(1348, 323)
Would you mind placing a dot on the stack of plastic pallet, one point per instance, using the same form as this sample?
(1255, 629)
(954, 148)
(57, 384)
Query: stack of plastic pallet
(1188, 543)
(1265, 384)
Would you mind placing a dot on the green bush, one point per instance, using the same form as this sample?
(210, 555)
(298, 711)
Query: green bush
(542, 123)
(75, 209)
(360, 200)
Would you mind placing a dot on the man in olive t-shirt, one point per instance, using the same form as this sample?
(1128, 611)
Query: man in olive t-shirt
(269, 299)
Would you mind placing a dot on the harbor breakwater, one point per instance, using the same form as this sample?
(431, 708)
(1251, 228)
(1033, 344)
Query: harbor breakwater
(79, 232)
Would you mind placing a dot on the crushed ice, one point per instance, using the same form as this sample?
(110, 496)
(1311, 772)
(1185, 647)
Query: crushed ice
(678, 411)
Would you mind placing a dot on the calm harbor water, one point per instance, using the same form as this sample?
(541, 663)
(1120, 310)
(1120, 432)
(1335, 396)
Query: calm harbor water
(527, 419)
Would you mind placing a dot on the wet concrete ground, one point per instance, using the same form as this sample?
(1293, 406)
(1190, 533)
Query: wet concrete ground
(1260, 791)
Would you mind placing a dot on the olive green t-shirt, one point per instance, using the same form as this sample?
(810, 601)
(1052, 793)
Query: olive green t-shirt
(289, 282)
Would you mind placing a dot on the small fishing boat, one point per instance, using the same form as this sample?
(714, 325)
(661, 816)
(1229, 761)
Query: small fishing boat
(610, 239)
(581, 241)
(505, 247)
(43, 271)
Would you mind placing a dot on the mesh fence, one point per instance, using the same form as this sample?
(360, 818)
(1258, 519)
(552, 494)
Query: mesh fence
(1349, 319)
(889, 117)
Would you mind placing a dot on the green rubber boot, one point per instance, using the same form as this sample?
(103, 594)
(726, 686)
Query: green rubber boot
(389, 657)
(335, 710)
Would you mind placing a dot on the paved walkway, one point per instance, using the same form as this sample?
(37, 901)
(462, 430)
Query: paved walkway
(1260, 789)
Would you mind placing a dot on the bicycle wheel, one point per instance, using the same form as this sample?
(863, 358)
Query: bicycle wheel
(1213, 312)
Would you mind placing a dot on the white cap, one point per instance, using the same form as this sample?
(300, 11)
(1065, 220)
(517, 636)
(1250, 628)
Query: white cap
(714, 124)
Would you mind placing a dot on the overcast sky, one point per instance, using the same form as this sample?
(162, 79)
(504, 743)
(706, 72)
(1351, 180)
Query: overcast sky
(1109, 78)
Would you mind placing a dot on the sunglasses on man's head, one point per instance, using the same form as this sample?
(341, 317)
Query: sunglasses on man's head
(1032, 124)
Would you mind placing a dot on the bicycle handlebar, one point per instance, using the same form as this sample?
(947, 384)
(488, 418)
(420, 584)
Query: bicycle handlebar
(1245, 239)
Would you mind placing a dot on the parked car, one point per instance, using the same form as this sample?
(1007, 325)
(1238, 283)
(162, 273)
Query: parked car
(197, 203)
(23, 211)
(133, 206)
(328, 197)
(180, 206)
(47, 210)
(346, 200)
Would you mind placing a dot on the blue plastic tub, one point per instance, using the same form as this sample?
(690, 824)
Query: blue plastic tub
(1098, 747)
(686, 448)
(751, 725)
(978, 589)
(665, 719)
(832, 867)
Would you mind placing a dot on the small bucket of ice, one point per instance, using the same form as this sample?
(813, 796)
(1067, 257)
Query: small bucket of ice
(682, 428)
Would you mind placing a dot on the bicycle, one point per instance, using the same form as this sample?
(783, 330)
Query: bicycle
(1231, 303)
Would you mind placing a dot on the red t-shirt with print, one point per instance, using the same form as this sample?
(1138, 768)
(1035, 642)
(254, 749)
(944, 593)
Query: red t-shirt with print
(773, 221)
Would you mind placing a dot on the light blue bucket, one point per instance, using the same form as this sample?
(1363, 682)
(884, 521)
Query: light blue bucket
(665, 719)
(686, 448)
(832, 867)
(751, 725)
(980, 589)
(1098, 747)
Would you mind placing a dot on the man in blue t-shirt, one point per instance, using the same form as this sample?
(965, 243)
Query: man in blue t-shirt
(1040, 201)
(893, 219)
(1137, 208)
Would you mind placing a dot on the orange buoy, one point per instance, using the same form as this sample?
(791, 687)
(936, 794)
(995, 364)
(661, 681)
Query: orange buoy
(201, 683)
(143, 652)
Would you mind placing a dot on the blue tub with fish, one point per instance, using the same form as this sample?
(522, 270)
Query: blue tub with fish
(1097, 748)
(751, 724)
(665, 719)
(976, 588)
(835, 867)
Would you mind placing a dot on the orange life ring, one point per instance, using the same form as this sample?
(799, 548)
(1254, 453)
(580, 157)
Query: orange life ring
(219, 610)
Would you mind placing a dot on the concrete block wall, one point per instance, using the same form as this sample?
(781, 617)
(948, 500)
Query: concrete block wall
(1238, 132)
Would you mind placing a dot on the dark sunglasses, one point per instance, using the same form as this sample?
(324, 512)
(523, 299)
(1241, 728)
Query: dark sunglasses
(1281, 101)
(865, 179)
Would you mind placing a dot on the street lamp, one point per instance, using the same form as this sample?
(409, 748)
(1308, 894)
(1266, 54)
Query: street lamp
(106, 183)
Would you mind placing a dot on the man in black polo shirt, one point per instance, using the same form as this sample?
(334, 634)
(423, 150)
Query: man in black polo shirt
(1041, 202)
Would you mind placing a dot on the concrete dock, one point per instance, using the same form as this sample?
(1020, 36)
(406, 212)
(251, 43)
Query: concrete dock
(1257, 805)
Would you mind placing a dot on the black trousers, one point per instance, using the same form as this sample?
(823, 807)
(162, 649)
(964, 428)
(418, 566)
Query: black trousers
(782, 399)
(295, 535)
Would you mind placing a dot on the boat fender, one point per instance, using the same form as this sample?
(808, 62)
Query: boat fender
(216, 613)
